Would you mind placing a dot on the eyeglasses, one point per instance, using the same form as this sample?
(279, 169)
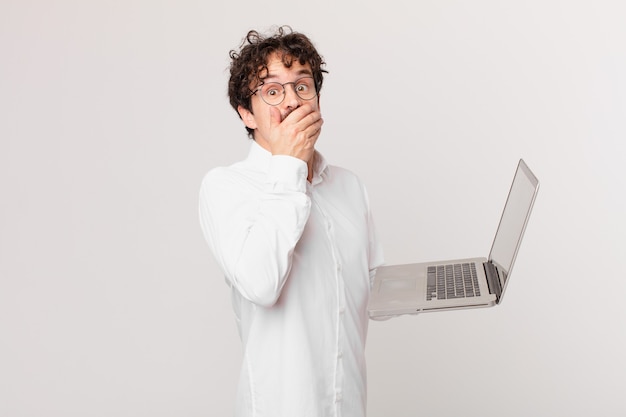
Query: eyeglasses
(274, 93)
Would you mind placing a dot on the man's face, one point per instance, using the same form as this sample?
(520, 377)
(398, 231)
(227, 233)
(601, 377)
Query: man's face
(259, 118)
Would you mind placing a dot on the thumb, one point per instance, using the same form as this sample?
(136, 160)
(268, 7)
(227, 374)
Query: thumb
(275, 117)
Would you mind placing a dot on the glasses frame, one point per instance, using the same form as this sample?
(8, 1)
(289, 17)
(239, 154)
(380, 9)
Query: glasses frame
(294, 83)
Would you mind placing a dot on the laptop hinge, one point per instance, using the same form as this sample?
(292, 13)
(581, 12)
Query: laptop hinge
(493, 280)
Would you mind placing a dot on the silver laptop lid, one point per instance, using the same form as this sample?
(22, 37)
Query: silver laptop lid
(513, 222)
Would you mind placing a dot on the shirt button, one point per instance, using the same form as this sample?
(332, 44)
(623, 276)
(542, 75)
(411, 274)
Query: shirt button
(342, 310)
(340, 354)
(338, 397)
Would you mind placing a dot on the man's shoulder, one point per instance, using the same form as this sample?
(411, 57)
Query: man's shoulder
(340, 173)
(225, 174)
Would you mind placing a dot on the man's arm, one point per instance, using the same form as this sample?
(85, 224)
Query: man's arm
(253, 234)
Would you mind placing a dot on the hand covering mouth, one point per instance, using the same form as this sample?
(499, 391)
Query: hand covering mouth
(287, 113)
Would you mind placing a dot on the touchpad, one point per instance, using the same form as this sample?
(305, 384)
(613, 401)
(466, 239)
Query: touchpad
(404, 284)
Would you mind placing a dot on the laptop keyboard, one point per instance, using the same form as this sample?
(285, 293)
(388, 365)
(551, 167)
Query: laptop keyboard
(452, 281)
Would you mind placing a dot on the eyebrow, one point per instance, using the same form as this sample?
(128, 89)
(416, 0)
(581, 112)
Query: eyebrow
(303, 71)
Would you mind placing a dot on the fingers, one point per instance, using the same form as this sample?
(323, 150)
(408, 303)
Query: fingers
(275, 117)
(303, 118)
(315, 127)
(295, 133)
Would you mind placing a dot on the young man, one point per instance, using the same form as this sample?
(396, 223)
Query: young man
(294, 237)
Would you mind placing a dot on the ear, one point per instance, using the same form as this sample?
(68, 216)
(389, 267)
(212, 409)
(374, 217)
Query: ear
(247, 117)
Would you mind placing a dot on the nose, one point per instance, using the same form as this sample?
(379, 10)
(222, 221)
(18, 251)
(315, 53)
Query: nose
(292, 100)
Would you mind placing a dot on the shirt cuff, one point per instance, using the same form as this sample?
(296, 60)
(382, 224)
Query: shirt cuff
(287, 173)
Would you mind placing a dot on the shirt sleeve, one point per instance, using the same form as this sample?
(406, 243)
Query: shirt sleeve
(252, 229)
(375, 255)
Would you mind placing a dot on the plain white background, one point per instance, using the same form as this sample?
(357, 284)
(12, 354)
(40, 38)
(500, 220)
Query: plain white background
(112, 111)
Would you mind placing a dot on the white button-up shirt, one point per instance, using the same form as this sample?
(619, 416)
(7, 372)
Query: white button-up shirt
(300, 258)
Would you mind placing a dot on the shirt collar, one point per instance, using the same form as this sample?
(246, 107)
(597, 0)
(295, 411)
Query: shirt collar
(260, 158)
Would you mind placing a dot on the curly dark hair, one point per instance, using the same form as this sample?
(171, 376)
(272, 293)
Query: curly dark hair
(248, 65)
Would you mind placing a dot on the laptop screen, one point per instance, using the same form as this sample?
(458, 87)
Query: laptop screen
(513, 221)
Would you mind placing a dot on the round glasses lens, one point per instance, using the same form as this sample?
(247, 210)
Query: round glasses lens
(305, 88)
(272, 93)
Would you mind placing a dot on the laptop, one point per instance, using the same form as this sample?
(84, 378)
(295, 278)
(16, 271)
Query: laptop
(460, 283)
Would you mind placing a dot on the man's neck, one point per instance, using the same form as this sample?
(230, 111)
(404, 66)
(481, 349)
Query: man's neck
(311, 164)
